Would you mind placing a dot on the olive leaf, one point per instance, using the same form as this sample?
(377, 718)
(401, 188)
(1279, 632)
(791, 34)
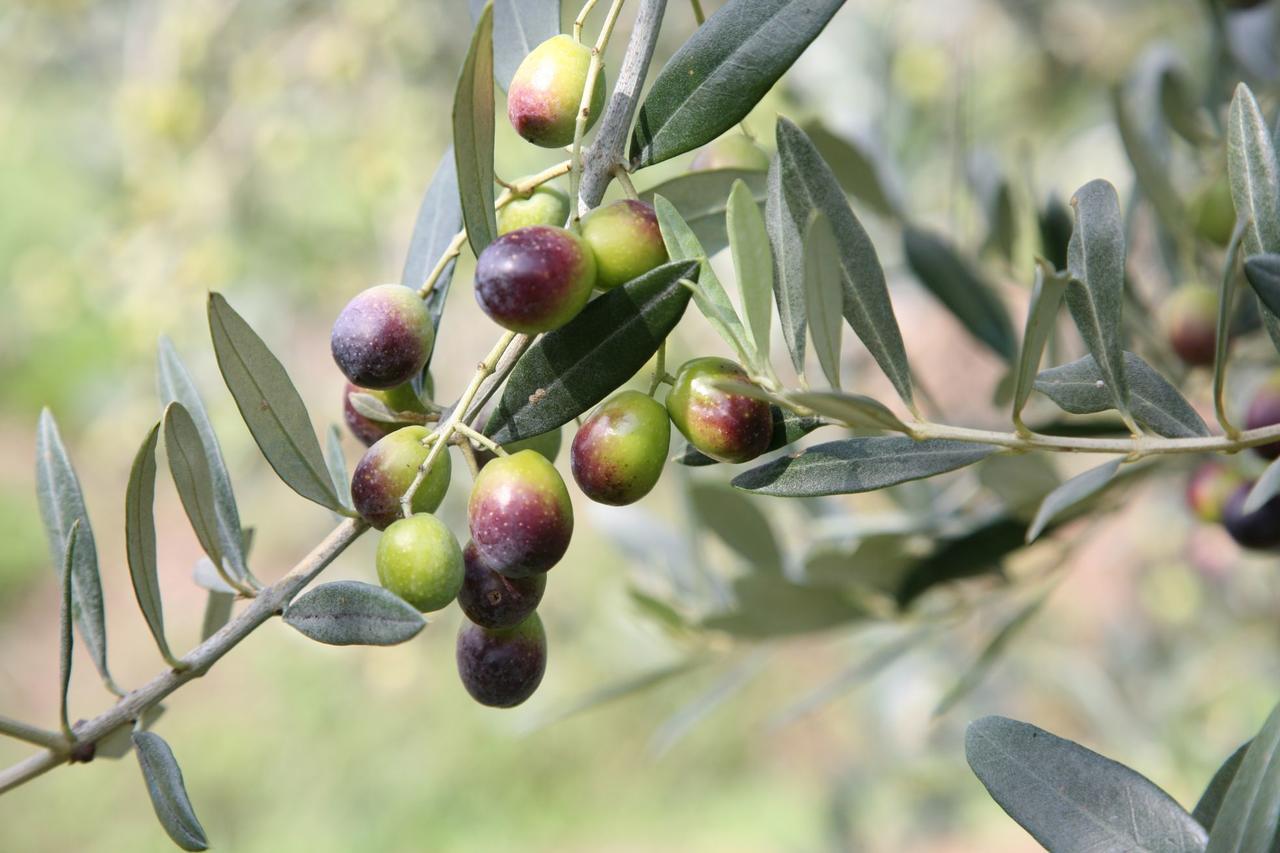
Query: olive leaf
(1095, 258)
(217, 612)
(1263, 273)
(801, 182)
(1250, 811)
(969, 554)
(1055, 225)
(621, 689)
(722, 72)
(438, 222)
(140, 539)
(961, 288)
(175, 385)
(853, 410)
(708, 293)
(1073, 491)
(270, 405)
(473, 135)
(859, 465)
(701, 198)
(753, 264)
(1135, 105)
(1042, 315)
(348, 613)
(859, 169)
(1071, 798)
(62, 506)
(518, 27)
(788, 428)
(1255, 183)
(823, 294)
(66, 640)
(337, 462)
(738, 523)
(168, 791)
(191, 476)
(1264, 489)
(1080, 389)
(569, 370)
(1210, 803)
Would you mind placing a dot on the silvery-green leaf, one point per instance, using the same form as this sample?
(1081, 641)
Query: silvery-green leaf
(372, 408)
(1042, 315)
(347, 613)
(753, 264)
(1080, 389)
(823, 294)
(1072, 799)
(801, 182)
(270, 405)
(708, 293)
(627, 686)
(518, 27)
(61, 506)
(1263, 273)
(739, 523)
(1148, 152)
(1266, 488)
(176, 386)
(1255, 183)
(702, 200)
(1095, 258)
(859, 465)
(854, 410)
(1072, 492)
(439, 220)
(191, 476)
(1249, 818)
(473, 135)
(168, 792)
(337, 462)
(140, 539)
(64, 624)
(859, 168)
(1210, 802)
(217, 612)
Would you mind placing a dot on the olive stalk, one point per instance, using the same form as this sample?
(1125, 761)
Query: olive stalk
(588, 90)
(270, 601)
(1135, 447)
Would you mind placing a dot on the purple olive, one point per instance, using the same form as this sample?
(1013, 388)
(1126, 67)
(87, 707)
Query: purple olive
(496, 601)
(502, 668)
(383, 337)
(535, 279)
(520, 516)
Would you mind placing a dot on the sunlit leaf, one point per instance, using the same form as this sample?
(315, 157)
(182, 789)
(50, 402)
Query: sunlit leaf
(349, 613)
(702, 200)
(438, 222)
(854, 410)
(1080, 389)
(823, 294)
(473, 134)
(1072, 492)
(753, 264)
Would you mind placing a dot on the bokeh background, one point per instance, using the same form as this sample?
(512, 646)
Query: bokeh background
(276, 151)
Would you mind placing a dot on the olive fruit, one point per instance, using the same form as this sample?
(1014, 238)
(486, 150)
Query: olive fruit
(1208, 489)
(520, 516)
(625, 240)
(502, 668)
(1214, 212)
(618, 453)
(383, 337)
(419, 560)
(386, 471)
(535, 279)
(546, 92)
(1259, 529)
(1264, 411)
(401, 398)
(496, 601)
(726, 426)
(544, 206)
(1189, 318)
(734, 151)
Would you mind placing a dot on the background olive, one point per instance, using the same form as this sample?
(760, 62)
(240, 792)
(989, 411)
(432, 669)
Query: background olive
(383, 337)
(1264, 411)
(1208, 489)
(386, 471)
(1189, 318)
(1260, 529)
(503, 668)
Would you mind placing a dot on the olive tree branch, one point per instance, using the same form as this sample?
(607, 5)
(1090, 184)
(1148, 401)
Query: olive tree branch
(1135, 447)
(270, 601)
(611, 138)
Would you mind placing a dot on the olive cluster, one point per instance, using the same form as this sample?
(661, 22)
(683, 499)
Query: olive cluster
(534, 278)
(1216, 491)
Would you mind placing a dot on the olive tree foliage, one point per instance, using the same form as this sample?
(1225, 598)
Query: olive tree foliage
(804, 267)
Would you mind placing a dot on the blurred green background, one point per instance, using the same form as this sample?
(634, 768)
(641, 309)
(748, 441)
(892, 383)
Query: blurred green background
(276, 151)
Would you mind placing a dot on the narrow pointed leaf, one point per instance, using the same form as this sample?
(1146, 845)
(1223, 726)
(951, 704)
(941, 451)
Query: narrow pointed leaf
(739, 523)
(1072, 799)
(168, 791)
(823, 294)
(702, 199)
(1080, 389)
(708, 293)
(1042, 316)
(140, 539)
(955, 281)
(176, 386)
(1072, 492)
(803, 183)
(976, 552)
(270, 405)
(473, 133)
(1226, 310)
(753, 264)
(1249, 819)
(1210, 803)
(438, 222)
(217, 612)
(191, 477)
(1263, 272)
(569, 370)
(854, 410)
(337, 462)
(61, 506)
(1095, 258)
(66, 640)
(859, 465)
(1266, 488)
(722, 72)
(1255, 183)
(788, 428)
(350, 613)
(788, 262)
(857, 166)
(518, 27)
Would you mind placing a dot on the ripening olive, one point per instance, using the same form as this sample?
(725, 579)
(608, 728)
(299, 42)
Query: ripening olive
(383, 337)
(1264, 411)
(496, 601)
(546, 205)
(1189, 318)
(419, 560)
(1208, 489)
(625, 240)
(618, 453)
(546, 92)
(520, 516)
(1214, 212)
(535, 279)
(726, 426)
(386, 471)
(503, 668)
(1259, 529)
